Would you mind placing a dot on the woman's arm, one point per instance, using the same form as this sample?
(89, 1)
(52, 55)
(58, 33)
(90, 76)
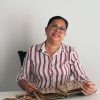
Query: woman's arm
(88, 87)
(28, 87)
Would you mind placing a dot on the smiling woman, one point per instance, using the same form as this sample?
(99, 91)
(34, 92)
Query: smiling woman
(52, 63)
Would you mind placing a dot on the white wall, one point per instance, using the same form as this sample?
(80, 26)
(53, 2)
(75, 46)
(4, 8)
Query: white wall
(22, 24)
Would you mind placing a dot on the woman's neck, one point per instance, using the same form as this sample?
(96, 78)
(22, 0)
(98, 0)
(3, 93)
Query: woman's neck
(51, 48)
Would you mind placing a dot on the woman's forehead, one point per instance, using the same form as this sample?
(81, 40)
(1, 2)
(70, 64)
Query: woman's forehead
(58, 21)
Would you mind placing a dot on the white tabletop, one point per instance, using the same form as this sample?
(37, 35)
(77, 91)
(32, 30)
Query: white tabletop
(12, 94)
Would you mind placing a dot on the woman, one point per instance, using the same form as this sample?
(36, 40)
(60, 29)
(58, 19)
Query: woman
(52, 63)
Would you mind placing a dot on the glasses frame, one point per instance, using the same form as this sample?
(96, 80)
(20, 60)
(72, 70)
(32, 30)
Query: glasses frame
(55, 27)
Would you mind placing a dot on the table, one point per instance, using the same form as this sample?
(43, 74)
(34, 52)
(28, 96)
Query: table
(11, 94)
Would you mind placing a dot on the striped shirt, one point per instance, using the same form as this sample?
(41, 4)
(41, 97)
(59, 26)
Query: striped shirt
(46, 72)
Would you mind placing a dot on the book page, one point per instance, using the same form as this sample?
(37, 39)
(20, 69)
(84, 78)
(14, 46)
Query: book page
(71, 87)
(48, 90)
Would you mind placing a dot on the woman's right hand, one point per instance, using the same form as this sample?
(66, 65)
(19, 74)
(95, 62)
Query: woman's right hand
(30, 88)
(27, 86)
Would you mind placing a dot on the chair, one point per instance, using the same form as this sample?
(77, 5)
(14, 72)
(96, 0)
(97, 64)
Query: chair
(22, 55)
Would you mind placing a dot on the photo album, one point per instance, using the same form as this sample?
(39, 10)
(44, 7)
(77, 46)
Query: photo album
(68, 89)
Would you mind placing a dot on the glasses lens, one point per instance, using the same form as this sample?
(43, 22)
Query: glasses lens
(55, 27)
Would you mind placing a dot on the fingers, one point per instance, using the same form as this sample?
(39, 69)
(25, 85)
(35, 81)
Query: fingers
(88, 88)
(30, 88)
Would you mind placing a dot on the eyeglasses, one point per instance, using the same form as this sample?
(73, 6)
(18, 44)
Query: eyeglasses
(55, 27)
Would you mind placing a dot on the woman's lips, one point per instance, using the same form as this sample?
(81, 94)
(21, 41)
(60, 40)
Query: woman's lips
(55, 34)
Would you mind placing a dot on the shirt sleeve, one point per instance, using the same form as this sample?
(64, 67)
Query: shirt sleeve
(27, 68)
(77, 70)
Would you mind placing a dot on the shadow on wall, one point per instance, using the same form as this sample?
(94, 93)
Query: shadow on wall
(17, 38)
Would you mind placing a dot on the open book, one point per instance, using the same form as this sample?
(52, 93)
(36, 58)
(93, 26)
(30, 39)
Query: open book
(63, 91)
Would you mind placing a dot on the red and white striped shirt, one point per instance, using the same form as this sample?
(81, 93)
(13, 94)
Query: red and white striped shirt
(46, 72)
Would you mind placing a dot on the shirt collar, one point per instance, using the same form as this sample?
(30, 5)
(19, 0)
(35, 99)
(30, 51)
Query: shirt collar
(41, 47)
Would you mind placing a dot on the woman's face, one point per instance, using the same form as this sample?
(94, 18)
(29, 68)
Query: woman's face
(56, 31)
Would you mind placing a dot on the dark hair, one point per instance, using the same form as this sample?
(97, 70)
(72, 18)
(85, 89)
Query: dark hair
(57, 17)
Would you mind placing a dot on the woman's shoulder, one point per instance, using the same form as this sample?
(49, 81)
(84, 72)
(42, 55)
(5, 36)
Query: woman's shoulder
(67, 47)
(36, 46)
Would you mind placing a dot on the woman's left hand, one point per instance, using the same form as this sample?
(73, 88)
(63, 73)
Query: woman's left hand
(88, 88)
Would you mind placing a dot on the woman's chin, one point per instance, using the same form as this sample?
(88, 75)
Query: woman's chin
(56, 41)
